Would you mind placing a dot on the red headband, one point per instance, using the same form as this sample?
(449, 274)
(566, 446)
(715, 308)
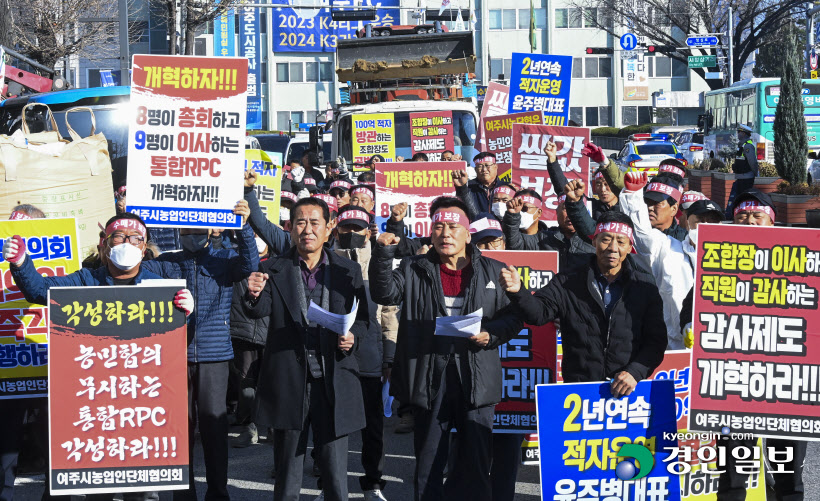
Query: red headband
(125, 224)
(310, 181)
(330, 201)
(19, 216)
(505, 189)
(665, 189)
(290, 196)
(445, 216)
(485, 157)
(753, 205)
(529, 199)
(485, 224)
(341, 184)
(353, 214)
(362, 190)
(673, 169)
(562, 199)
(692, 197)
(598, 175)
(613, 227)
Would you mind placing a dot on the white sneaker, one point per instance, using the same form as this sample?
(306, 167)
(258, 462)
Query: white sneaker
(374, 495)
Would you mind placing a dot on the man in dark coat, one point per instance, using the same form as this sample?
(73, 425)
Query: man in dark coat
(480, 189)
(449, 381)
(308, 375)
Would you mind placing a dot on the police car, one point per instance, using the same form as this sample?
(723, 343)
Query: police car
(645, 152)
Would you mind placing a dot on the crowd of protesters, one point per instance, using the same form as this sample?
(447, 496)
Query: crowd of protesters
(255, 359)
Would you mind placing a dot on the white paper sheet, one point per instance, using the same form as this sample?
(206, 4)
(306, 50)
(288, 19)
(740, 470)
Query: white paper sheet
(336, 322)
(460, 325)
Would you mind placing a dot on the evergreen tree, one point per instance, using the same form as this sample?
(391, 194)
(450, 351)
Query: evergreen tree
(790, 135)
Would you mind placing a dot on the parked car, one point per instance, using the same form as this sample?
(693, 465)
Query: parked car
(690, 144)
(645, 152)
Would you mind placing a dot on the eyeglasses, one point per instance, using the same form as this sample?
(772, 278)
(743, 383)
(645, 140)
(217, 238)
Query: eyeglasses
(484, 166)
(119, 238)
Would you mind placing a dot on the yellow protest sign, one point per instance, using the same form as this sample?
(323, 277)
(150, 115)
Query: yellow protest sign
(373, 134)
(268, 187)
(53, 247)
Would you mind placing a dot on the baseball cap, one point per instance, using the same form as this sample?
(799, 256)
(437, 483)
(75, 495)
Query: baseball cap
(340, 185)
(690, 197)
(659, 190)
(705, 206)
(363, 188)
(355, 215)
(744, 128)
(754, 194)
(329, 200)
(310, 184)
(485, 225)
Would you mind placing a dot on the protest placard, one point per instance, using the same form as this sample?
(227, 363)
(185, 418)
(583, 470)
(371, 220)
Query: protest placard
(431, 133)
(498, 138)
(268, 187)
(582, 429)
(756, 325)
(541, 82)
(418, 186)
(52, 247)
(530, 162)
(528, 359)
(187, 140)
(675, 367)
(118, 398)
(373, 134)
(496, 97)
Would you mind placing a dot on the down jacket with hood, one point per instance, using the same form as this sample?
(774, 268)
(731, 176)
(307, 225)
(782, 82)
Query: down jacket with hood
(416, 285)
(633, 339)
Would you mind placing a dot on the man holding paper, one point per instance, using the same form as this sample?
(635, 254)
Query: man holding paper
(446, 364)
(318, 311)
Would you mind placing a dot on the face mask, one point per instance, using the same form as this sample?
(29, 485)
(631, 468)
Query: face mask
(351, 240)
(526, 220)
(693, 236)
(125, 256)
(284, 214)
(194, 243)
(261, 246)
(499, 209)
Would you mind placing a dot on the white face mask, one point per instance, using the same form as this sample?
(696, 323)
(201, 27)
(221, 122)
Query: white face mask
(125, 256)
(693, 236)
(284, 214)
(261, 246)
(526, 220)
(499, 209)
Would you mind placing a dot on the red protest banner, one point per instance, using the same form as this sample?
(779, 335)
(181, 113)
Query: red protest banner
(530, 162)
(431, 133)
(117, 390)
(498, 138)
(496, 102)
(757, 332)
(417, 184)
(528, 358)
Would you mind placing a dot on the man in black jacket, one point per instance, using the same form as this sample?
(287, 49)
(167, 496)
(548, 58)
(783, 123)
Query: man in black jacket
(611, 314)
(449, 381)
(308, 376)
(481, 188)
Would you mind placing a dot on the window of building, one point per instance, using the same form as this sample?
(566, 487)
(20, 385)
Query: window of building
(591, 67)
(679, 68)
(604, 116)
(137, 32)
(663, 67)
(263, 72)
(495, 19)
(540, 19)
(523, 19)
(310, 117)
(577, 67)
(576, 114)
(575, 18)
(282, 72)
(561, 18)
(297, 72)
(629, 115)
(594, 67)
(591, 116)
(325, 72)
(282, 120)
(508, 19)
(93, 77)
(604, 67)
(500, 69)
(311, 72)
(590, 18)
(296, 117)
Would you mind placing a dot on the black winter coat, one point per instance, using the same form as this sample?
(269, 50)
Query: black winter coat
(633, 340)
(416, 285)
(243, 327)
(283, 373)
(572, 252)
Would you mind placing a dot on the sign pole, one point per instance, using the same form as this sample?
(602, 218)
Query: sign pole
(731, 31)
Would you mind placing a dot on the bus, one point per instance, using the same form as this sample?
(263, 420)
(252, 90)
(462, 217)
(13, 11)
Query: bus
(753, 103)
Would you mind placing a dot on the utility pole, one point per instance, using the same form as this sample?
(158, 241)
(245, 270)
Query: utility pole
(124, 56)
(731, 32)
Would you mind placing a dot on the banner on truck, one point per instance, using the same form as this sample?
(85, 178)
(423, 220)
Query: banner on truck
(432, 134)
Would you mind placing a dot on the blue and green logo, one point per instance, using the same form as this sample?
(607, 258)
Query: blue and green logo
(635, 454)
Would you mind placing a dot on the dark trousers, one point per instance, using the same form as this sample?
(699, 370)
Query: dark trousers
(506, 460)
(738, 187)
(12, 419)
(787, 486)
(372, 434)
(470, 479)
(126, 496)
(207, 386)
(244, 373)
(289, 447)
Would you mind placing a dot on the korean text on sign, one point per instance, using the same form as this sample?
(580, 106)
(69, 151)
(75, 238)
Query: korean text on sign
(374, 134)
(431, 133)
(268, 168)
(528, 359)
(397, 182)
(498, 137)
(754, 363)
(541, 82)
(53, 248)
(118, 365)
(581, 430)
(186, 139)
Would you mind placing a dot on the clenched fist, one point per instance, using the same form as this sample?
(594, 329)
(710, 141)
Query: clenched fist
(515, 205)
(14, 250)
(388, 239)
(346, 342)
(460, 178)
(256, 282)
(242, 209)
(552, 151)
(594, 152)
(634, 180)
(575, 190)
(510, 280)
(398, 211)
(250, 178)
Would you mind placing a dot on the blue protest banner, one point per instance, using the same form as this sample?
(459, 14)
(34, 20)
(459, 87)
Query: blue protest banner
(296, 30)
(249, 47)
(582, 429)
(541, 82)
(224, 35)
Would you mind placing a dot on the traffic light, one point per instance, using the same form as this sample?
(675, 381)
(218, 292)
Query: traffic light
(600, 50)
(661, 49)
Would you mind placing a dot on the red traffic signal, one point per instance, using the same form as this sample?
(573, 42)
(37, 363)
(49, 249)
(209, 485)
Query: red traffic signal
(600, 50)
(662, 49)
